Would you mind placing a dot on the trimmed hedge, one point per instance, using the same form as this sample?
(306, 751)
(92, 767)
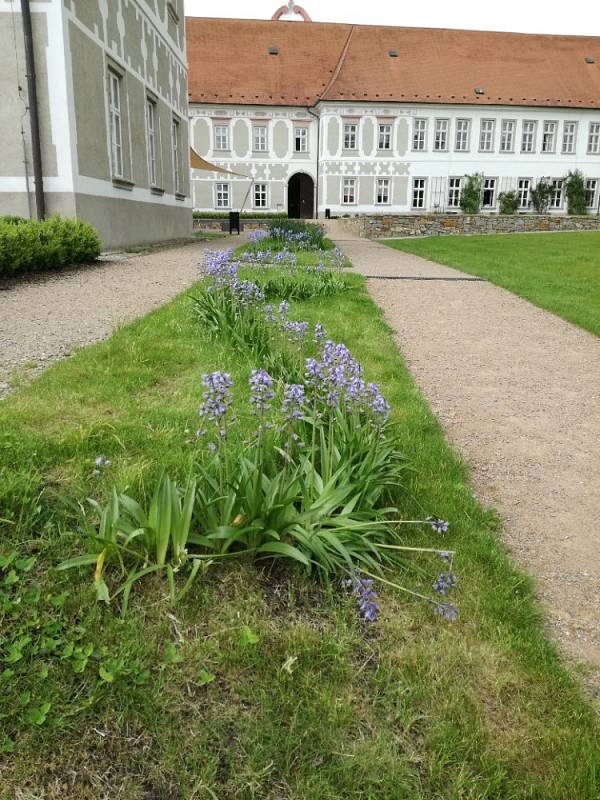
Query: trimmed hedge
(29, 245)
(243, 215)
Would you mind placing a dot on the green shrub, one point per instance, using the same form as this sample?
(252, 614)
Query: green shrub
(576, 194)
(51, 244)
(508, 202)
(13, 219)
(243, 215)
(540, 196)
(470, 196)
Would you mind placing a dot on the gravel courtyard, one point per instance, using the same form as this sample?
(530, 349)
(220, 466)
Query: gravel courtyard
(517, 391)
(45, 317)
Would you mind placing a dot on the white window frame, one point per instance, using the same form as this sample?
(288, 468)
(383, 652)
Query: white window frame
(115, 83)
(348, 191)
(260, 139)
(419, 135)
(508, 129)
(440, 134)
(454, 191)
(350, 136)
(557, 196)
(462, 138)
(489, 185)
(593, 146)
(383, 189)
(222, 135)
(487, 133)
(175, 142)
(151, 135)
(591, 191)
(260, 195)
(418, 198)
(300, 139)
(384, 136)
(529, 136)
(549, 132)
(222, 195)
(524, 192)
(569, 138)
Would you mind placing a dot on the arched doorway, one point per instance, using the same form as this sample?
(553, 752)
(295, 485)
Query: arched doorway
(301, 196)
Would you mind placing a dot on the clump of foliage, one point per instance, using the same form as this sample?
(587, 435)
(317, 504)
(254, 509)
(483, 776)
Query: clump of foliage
(470, 196)
(243, 215)
(50, 244)
(541, 195)
(576, 193)
(13, 219)
(508, 202)
(297, 234)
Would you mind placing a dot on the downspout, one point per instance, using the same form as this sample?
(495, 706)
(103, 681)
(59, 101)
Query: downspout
(318, 118)
(36, 148)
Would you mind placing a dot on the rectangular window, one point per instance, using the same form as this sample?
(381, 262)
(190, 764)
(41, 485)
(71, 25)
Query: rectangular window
(507, 136)
(488, 198)
(259, 139)
(260, 195)
(418, 193)
(222, 195)
(454, 187)
(594, 138)
(151, 137)
(440, 140)
(350, 129)
(176, 169)
(549, 137)
(116, 132)
(419, 134)
(486, 135)
(528, 136)
(349, 191)
(569, 137)
(301, 140)
(557, 193)
(383, 191)
(384, 136)
(523, 188)
(221, 137)
(591, 187)
(463, 132)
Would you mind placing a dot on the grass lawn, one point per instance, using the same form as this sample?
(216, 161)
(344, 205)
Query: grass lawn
(260, 683)
(556, 271)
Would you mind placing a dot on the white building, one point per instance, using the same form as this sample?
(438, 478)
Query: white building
(361, 119)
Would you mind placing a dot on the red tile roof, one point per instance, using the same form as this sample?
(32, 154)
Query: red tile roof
(229, 62)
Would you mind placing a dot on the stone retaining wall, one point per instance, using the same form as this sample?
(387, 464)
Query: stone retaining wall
(380, 226)
(223, 224)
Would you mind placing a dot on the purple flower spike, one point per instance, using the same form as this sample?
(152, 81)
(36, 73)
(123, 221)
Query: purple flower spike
(444, 583)
(217, 397)
(293, 400)
(284, 308)
(438, 525)
(447, 611)
(261, 386)
(366, 597)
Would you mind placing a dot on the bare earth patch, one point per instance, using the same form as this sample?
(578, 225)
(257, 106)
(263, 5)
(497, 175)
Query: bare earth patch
(48, 315)
(517, 391)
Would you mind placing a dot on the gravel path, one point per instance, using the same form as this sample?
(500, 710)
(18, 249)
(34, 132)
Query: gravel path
(45, 317)
(517, 391)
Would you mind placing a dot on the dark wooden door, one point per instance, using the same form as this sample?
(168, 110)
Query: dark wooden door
(301, 196)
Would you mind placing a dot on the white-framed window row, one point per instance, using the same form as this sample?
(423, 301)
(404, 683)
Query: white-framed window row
(175, 142)
(152, 140)
(115, 83)
(591, 193)
(593, 147)
(440, 137)
(260, 195)
(349, 191)
(384, 136)
(260, 139)
(528, 136)
(569, 138)
(419, 138)
(463, 135)
(489, 193)
(524, 193)
(507, 135)
(300, 139)
(383, 191)
(350, 135)
(549, 136)
(487, 129)
(222, 136)
(556, 198)
(222, 195)
(454, 190)
(419, 194)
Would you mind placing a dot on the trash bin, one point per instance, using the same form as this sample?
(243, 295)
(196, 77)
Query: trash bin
(234, 221)
(327, 213)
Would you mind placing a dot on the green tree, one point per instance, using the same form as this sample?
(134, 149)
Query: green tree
(576, 194)
(470, 196)
(540, 196)
(508, 202)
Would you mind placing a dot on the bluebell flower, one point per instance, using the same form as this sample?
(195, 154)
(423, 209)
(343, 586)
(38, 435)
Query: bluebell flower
(438, 525)
(293, 400)
(216, 399)
(261, 390)
(444, 582)
(447, 611)
(366, 597)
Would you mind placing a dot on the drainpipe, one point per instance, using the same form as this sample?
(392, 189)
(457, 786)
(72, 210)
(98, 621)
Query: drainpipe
(318, 118)
(36, 148)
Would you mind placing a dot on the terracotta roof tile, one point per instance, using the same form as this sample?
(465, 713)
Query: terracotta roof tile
(229, 62)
